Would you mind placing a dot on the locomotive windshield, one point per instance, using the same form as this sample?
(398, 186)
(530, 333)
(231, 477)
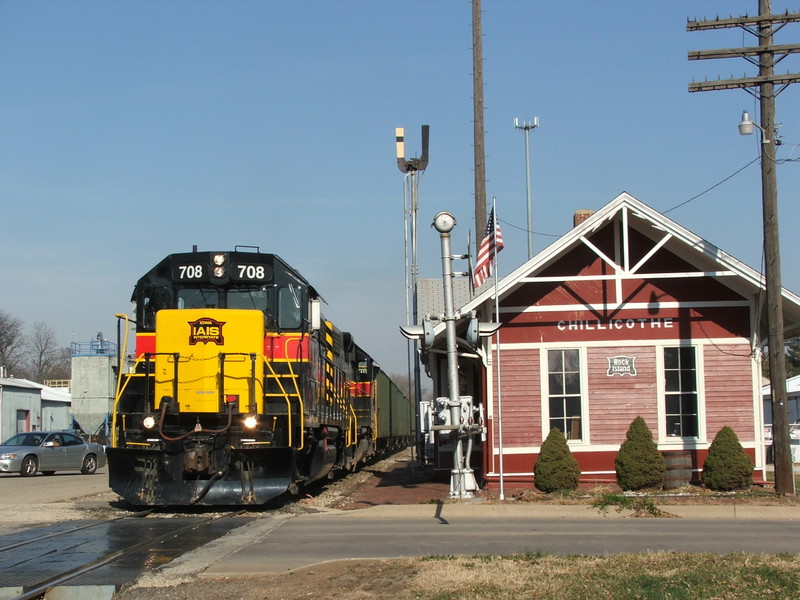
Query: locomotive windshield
(198, 298)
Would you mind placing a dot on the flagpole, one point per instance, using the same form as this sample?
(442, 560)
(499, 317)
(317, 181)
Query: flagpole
(497, 360)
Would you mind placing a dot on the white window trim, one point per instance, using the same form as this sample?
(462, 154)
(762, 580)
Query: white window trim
(545, 396)
(662, 437)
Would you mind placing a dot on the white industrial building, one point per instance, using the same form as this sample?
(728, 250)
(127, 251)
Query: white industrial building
(28, 406)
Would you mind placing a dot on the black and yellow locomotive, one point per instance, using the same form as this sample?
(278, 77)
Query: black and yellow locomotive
(239, 389)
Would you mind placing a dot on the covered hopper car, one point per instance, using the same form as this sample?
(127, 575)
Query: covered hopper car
(240, 390)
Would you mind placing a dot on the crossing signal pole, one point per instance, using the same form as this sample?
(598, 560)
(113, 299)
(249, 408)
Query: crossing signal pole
(763, 87)
(412, 168)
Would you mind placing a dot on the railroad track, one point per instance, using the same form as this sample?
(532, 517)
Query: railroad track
(104, 552)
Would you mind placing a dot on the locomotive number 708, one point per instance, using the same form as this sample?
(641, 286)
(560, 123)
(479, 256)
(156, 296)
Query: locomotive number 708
(251, 271)
(190, 271)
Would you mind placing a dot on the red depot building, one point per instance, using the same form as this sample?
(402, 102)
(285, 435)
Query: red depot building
(628, 314)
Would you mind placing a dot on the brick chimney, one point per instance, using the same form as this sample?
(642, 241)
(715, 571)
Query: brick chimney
(581, 215)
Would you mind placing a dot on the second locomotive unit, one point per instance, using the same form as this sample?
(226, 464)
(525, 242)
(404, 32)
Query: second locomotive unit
(241, 390)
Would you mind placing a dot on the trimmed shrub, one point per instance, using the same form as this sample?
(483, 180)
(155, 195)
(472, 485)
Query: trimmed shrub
(727, 466)
(638, 463)
(556, 469)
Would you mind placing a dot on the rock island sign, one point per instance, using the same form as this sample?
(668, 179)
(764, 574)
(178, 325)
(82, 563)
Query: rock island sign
(621, 365)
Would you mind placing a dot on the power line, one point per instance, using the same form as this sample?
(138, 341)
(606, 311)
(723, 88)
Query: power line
(685, 202)
(719, 183)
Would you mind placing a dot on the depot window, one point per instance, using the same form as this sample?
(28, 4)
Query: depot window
(680, 391)
(565, 401)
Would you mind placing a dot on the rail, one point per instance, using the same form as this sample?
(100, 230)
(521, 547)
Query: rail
(42, 587)
(73, 530)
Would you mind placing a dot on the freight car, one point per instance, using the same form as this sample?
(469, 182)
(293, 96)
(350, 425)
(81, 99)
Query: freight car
(239, 389)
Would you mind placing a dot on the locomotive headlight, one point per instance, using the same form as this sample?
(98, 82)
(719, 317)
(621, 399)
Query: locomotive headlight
(149, 422)
(220, 269)
(250, 422)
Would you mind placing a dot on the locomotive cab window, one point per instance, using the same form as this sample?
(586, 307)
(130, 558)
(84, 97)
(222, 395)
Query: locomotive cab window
(150, 301)
(290, 303)
(198, 298)
(252, 298)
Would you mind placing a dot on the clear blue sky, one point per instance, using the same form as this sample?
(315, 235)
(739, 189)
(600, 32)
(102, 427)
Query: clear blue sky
(131, 130)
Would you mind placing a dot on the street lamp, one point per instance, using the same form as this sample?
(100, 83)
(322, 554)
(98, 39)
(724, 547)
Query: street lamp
(527, 126)
(747, 126)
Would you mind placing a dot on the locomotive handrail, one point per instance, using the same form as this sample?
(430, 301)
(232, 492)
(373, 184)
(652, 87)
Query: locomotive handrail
(251, 395)
(296, 390)
(119, 391)
(373, 398)
(288, 402)
(118, 397)
(354, 428)
(121, 387)
(147, 392)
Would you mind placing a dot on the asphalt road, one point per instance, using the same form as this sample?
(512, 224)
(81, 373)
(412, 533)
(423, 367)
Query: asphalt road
(281, 544)
(53, 488)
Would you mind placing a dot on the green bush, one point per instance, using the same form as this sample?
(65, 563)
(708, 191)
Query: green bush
(638, 463)
(727, 466)
(556, 469)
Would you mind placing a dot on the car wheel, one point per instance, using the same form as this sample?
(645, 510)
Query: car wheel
(89, 464)
(48, 472)
(29, 466)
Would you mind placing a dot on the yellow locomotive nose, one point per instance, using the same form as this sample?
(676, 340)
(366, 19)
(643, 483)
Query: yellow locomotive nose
(215, 355)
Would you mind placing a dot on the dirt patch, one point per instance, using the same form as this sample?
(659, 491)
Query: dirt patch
(363, 579)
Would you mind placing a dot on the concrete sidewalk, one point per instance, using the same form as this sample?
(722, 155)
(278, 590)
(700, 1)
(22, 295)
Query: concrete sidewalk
(572, 511)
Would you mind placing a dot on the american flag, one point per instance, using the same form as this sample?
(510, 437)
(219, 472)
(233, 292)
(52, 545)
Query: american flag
(492, 244)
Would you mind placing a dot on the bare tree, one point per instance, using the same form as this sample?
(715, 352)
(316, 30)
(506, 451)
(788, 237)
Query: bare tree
(62, 369)
(12, 342)
(402, 382)
(45, 358)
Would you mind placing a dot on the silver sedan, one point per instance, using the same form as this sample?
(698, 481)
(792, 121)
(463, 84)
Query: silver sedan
(48, 452)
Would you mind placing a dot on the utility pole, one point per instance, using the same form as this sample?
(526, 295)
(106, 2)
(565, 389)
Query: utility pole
(763, 88)
(477, 109)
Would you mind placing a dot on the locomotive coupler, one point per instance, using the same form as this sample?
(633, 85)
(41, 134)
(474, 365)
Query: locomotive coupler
(196, 459)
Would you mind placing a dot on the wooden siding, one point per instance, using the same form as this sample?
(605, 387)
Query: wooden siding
(729, 391)
(616, 400)
(522, 405)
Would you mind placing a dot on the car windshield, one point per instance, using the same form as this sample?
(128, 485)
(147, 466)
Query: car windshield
(25, 439)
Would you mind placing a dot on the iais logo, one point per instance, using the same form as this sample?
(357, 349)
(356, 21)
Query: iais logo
(206, 330)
